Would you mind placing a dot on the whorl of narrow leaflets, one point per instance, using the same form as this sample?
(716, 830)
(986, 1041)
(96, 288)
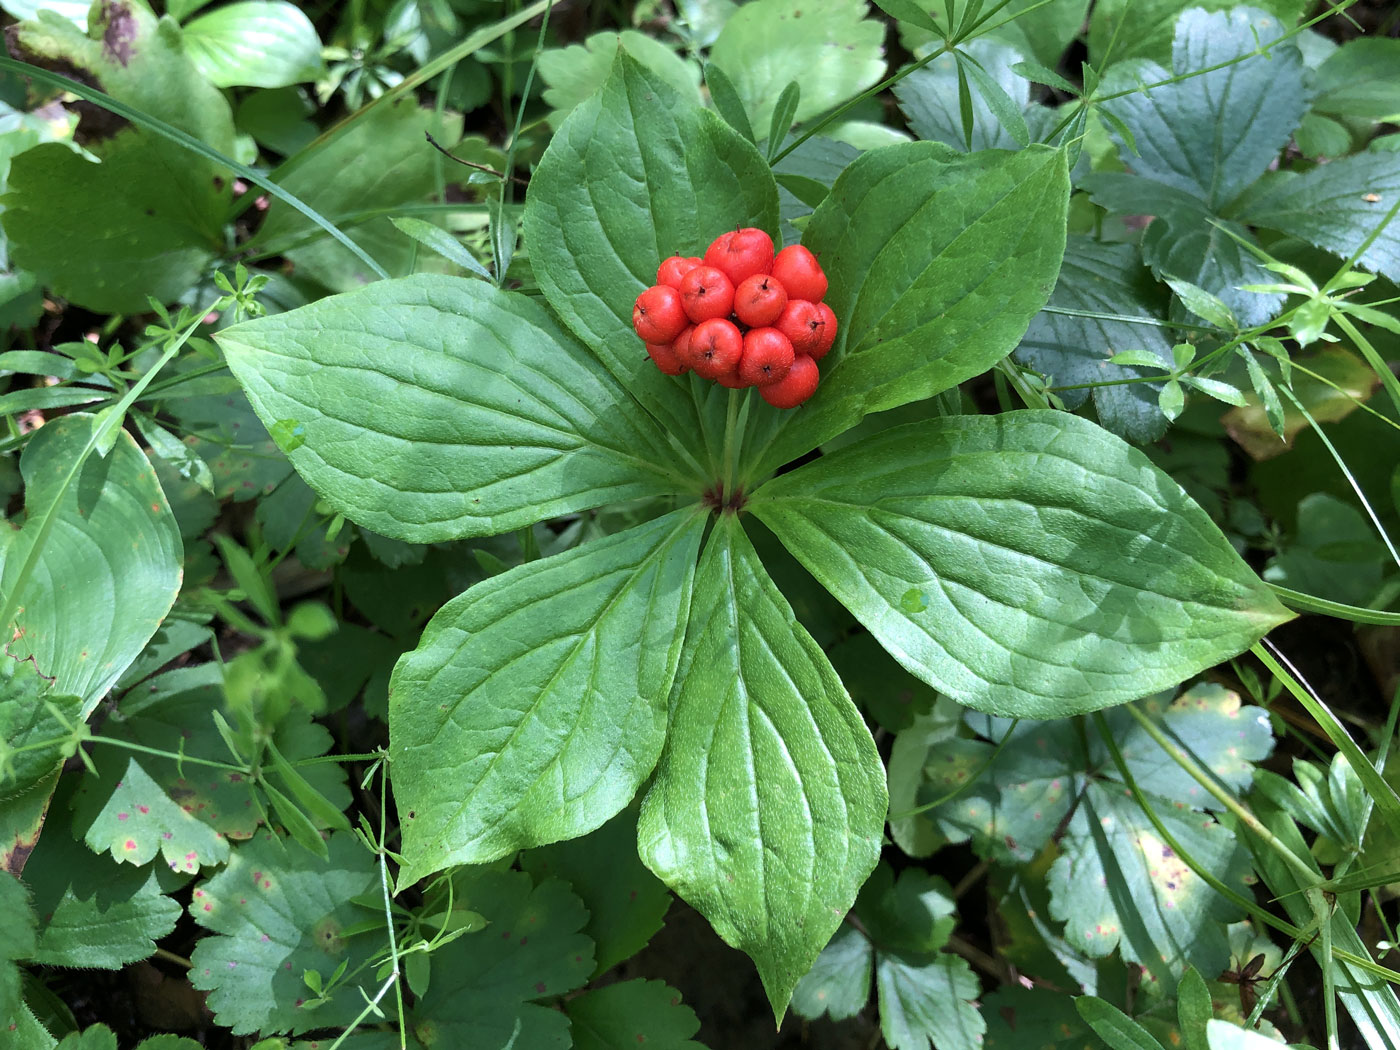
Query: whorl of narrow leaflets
(741, 316)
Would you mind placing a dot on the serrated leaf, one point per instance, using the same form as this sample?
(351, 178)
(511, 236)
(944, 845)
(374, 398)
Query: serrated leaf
(937, 261)
(1118, 885)
(1335, 206)
(533, 708)
(631, 1013)
(1212, 133)
(626, 904)
(928, 1003)
(254, 44)
(1071, 347)
(140, 820)
(633, 176)
(1126, 29)
(106, 560)
(31, 714)
(838, 983)
(485, 985)
(16, 942)
(830, 49)
(1012, 1011)
(275, 912)
(974, 533)
(577, 72)
(767, 805)
(437, 407)
(93, 911)
(1360, 79)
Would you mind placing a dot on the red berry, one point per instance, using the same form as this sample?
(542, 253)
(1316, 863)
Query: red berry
(802, 322)
(759, 300)
(795, 387)
(664, 355)
(658, 315)
(706, 293)
(828, 332)
(741, 254)
(800, 273)
(674, 268)
(767, 357)
(733, 380)
(714, 348)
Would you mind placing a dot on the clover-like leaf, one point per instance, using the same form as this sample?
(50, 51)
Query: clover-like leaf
(437, 407)
(485, 985)
(276, 912)
(767, 805)
(96, 565)
(1029, 564)
(534, 706)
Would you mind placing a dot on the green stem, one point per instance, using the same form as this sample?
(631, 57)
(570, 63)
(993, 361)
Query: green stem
(1197, 773)
(1387, 377)
(731, 416)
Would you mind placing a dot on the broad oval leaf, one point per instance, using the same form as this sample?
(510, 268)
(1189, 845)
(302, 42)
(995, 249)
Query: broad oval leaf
(769, 801)
(937, 261)
(1027, 564)
(439, 407)
(254, 44)
(635, 174)
(97, 564)
(535, 704)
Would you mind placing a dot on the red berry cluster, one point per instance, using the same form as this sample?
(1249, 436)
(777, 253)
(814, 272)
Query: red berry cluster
(741, 316)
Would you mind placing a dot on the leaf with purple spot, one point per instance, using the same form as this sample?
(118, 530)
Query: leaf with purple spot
(140, 820)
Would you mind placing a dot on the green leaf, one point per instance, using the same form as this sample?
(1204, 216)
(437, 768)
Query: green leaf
(255, 43)
(937, 262)
(838, 983)
(1336, 206)
(140, 820)
(633, 176)
(929, 97)
(631, 1013)
(1012, 1011)
(533, 708)
(926, 1003)
(95, 567)
(1127, 29)
(1213, 133)
(148, 217)
(977, 535)
(32, 714)
(727, 102)
(1193, 1009)
(782, 118)
(830, 49)
(275, 912)
(485, 985)
(908, 11)
(436, 407)
(16, 942)
(626, 904)
(1334, 553)
(366, 167)
(442, 242)
(1360, 79)
(767, 806)
(1114, 1026)
(1204, 305)
(1117, 885)
(93, 911)
(1069, 344)
(577, 72)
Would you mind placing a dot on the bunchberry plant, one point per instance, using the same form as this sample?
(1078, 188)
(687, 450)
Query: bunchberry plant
(1027, 564)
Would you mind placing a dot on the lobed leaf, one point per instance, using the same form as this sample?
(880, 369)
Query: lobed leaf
(631, 1013)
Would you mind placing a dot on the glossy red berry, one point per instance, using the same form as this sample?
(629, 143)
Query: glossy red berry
(800, 273)
(741, 253)
(714, 348)
(673, 269)
(802, 322)
(828, 331)
(658, 315)
(706, 293)
(795, 387)
(759, 300)
(767, 357)
(733, 380)
(664, 355)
